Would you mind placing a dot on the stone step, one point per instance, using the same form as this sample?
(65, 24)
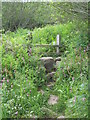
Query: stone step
(50, 85)
(61, 117)
(58, 59)
(53, 100)
(50, 76)
(58, 64)
(48, 63)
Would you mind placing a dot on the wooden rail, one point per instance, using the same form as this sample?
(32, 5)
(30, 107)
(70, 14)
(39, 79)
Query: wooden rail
(57, 45)
(50, 45)
(44, 45)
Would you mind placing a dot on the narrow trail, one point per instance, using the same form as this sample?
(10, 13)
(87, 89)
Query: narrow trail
(51, 64)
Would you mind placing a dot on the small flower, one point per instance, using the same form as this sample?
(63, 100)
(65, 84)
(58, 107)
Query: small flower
(29, 54)
(83, 99)
(84, 50)
(1, 85)
(16, 113)
(74, 99)
(23, 58)
(71, 89)
(3, 78)
(72, 78)
(30, 51)
(27, 94)
(7, 81)
(64, 75)
(24, 89)
(11, 86)
(30, 91)
(2, 81)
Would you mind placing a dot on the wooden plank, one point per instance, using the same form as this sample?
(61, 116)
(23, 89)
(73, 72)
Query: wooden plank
(38, 45)
(58, 43)
(44, 45)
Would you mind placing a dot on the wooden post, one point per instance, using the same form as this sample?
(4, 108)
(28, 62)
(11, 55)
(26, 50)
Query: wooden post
(58, 43)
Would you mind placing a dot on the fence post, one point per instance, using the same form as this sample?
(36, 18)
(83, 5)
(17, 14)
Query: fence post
(58, 43)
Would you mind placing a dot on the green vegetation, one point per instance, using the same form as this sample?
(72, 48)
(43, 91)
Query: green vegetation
(39, 14)
(22, 75)
(24, 82)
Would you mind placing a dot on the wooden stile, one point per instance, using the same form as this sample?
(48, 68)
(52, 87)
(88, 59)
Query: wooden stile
(58, 43)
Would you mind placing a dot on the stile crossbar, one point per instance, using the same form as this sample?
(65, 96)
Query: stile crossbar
(57, 45)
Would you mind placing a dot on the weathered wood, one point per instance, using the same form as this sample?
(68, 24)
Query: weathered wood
(58, 43)
(44, 45)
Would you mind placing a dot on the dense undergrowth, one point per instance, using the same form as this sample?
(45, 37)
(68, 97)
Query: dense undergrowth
(22, 73)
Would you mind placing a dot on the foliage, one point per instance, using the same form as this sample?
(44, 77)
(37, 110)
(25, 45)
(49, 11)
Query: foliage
(39, 14)
(77, 109)
(72, 35)
(23, 75)
(72, 83)
(26, 15)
